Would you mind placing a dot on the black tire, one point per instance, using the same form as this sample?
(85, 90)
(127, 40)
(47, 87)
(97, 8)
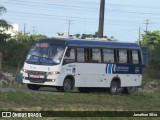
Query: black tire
(120, 90)
(114, 88)
(67, 85)
(33, 87)
(132, 90)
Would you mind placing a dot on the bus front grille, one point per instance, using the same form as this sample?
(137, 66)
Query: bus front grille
(39, 80)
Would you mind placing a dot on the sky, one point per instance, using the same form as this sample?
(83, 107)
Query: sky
(123, 18)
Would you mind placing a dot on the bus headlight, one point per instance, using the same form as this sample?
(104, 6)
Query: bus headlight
(53, 73)
(25, 71)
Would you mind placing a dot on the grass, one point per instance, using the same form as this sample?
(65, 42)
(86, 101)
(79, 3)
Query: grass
(31, 101)
(79, 101)
(51, 101)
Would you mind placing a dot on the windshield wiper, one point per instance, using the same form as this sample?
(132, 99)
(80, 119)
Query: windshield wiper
(37, 57)
(42, 57)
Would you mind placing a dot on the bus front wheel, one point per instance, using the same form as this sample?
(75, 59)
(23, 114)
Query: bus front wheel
(132, 90)
(33, 87)
(67, 85)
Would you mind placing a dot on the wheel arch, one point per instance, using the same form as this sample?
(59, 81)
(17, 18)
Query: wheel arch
(117, 79)
(71, 77)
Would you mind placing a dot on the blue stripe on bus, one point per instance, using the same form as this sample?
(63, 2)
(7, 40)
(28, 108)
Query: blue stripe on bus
(109, 68)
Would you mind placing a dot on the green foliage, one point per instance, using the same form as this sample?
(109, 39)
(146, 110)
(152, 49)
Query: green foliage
(84, 36)
(2, 10)
(60, 34)
(3, 23)
(152, 40)
(16, 49)
(4, 36)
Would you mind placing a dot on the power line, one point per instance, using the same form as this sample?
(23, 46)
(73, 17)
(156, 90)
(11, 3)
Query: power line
(123, 12)
(71, 6)
(93, 3)
(81, 19)
(47, 15)
(134, 6)
(58, 17)
(107, 24)
(44, 4)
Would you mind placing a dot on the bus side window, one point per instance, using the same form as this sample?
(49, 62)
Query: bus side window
(122, 56)
(80, 55)
(108, 55)
(69, 56)
(116, 56)
(96, 55)
(87, 55)
(135, 57)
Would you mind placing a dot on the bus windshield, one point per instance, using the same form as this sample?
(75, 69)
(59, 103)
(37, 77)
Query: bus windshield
(45, 53)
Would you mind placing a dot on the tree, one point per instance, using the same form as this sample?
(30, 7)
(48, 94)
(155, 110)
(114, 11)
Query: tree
(2, 10)
(84, 36)
(4, 36)
(77, 35)
(60, 34)
(151, 39)
(3, 23)
(16, 49)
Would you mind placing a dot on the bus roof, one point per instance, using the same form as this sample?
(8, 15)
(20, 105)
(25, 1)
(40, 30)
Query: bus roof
(92, 43)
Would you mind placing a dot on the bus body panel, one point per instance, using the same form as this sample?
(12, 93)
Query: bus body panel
(55, 80)
(95, 75)
(88, 74)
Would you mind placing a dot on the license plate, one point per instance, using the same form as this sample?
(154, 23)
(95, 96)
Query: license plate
(35, 76)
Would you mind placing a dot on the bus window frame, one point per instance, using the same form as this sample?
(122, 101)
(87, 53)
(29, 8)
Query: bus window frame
(88, 55)
(69, 48)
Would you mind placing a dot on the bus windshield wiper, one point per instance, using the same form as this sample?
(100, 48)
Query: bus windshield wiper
(37, 57)
(42, 57)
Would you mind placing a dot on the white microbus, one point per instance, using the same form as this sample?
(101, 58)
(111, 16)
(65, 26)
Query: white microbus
(85, 64)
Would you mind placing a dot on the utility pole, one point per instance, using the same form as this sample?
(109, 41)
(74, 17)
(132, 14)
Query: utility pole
(101, 19)
(147, 22)
(24, 31)
(139, 36)
(69, 23)
(33, 30)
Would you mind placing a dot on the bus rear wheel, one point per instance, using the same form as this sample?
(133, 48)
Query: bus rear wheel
(132, 90)
(67, 85)
(33, 87)
(115, 88)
